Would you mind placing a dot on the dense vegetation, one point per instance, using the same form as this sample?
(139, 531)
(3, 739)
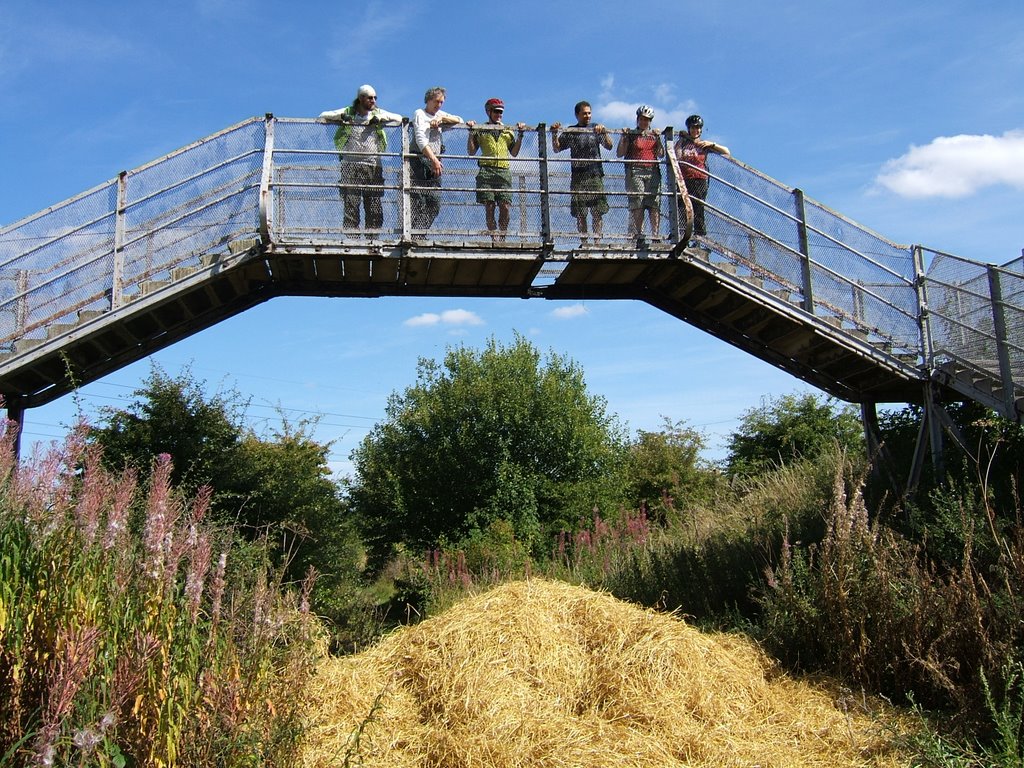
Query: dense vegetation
(133, 630)
(494, 465)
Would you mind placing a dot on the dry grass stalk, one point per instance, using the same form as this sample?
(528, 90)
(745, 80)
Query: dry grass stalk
(540, 673)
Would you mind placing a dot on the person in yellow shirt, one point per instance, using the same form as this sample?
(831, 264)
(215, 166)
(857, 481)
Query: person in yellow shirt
(497, 142)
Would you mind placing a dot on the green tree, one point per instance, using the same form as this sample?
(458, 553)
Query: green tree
(174, 415)
(278, 487)
(794, 426)
(666, 470)
(492, 435)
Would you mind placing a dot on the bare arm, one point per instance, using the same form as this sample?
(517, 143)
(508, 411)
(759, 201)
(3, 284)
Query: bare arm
(718, 149)
(514, 149)
(336, 116)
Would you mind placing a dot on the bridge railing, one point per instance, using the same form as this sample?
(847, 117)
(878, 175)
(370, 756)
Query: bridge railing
(308, 190)
(834, 268)
(96, 251)
(976, 317)
(279, 179)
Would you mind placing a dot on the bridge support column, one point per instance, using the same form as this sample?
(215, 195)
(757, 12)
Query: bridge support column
(15, 421)
(878, 453)
(935, 425)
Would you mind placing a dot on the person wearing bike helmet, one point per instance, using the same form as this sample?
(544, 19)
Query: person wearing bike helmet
(642, 149)
(692, 156)
(497, 143)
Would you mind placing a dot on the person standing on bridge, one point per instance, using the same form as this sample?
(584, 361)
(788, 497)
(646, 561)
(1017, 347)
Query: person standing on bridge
(360, 139)
(642, 149)
(692, 156)
(584, 143)
(427, 144)
(497, 143)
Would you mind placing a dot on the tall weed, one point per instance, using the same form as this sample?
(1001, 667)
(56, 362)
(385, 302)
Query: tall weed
(127, 635)
(871, 606)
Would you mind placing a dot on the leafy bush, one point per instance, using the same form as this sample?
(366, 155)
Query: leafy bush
(789, 428)
(869, 605)
(499, 434)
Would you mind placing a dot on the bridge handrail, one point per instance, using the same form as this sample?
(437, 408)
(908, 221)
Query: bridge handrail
(970, 298)
(907, 279)
(862, 287)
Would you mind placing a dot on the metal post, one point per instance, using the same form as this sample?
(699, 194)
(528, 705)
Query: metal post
(673, 187)
(1002, 349)
(545, 188)
(117, 276)
(266, 222)
(805, 262)
(21, 308)
(924, 322)
(406, 186)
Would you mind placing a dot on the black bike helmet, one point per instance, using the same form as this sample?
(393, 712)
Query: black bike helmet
(695, 120)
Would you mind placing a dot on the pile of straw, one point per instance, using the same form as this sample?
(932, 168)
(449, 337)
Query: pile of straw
(540, 673)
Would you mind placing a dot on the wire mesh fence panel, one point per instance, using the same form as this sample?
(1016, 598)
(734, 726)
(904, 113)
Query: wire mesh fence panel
(40, 256)
(167, 233)
(961, 321)
(191, 203)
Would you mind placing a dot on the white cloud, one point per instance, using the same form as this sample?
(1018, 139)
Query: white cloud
(956, 166)
(453, 317)
(617, 111)
(575, 310)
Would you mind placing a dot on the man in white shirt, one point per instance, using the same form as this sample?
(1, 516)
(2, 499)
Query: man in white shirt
(428, 124)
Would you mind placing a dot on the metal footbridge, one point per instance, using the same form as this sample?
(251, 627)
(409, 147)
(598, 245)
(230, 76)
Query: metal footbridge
(256, 211)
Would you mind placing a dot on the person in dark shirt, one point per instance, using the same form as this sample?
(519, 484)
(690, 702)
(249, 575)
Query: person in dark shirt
(584, 142)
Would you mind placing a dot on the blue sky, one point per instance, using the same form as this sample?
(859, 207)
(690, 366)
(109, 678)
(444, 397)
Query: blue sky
(907, 117)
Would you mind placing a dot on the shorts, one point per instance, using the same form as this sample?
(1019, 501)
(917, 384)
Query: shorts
(644, 187)
(493, 185)
(588, 193)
